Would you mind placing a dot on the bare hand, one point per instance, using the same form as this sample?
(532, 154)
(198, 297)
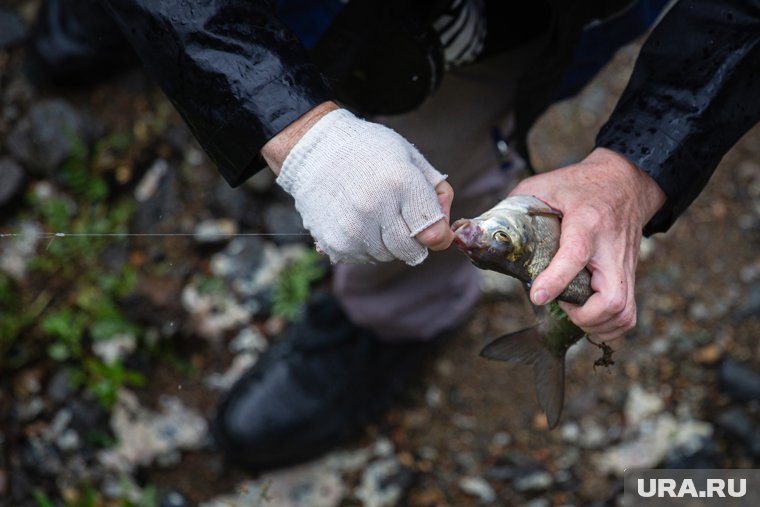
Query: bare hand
(605, 201)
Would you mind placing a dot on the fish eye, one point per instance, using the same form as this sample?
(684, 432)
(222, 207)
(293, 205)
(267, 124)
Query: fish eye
(501, 236)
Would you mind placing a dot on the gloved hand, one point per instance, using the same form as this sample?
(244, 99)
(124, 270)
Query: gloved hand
(363, 191)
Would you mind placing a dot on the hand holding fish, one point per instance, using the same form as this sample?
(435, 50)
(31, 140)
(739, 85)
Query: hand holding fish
(605, 201)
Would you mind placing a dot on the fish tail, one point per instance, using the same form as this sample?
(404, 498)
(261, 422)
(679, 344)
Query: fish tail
(527, 347)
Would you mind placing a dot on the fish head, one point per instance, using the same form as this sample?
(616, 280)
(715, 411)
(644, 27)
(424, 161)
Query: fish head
(495, 241)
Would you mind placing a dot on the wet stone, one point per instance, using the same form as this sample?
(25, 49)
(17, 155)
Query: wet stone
(158, 205)
(285, 223)
(739, 381)
(235, 203)
(478, 487)
(240, 259)
(535, 481)
(48, 135)
(12, 177)
(173, 499)
(12, 28)
(737, 423)
(215, 231)
(750, 306)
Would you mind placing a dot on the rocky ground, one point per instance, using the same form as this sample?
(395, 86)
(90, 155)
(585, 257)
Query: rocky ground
(114, 350)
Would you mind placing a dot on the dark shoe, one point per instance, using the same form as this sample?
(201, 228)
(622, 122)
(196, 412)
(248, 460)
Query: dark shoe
(74, 43)
(313, 391)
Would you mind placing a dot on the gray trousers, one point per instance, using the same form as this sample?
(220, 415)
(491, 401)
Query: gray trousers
(452, 130)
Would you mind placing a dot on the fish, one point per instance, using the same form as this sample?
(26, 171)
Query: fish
(518, 237)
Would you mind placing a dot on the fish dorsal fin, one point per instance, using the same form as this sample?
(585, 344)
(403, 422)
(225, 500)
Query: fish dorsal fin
(539, 207)
(526, 347)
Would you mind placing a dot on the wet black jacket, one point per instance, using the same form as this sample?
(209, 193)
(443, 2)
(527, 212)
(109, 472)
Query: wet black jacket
(238, 75)
(694, 92)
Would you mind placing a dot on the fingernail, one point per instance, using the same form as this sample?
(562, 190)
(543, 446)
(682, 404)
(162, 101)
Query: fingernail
(540, 297)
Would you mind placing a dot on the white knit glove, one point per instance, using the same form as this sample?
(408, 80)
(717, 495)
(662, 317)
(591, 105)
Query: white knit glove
(362, 190)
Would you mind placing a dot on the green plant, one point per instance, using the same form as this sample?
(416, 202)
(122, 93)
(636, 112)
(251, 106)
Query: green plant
(89, 497)
(294, 284)
(104, 380)
(79, 302)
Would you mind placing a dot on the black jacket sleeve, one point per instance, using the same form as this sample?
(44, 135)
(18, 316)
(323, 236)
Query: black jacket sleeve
(233, 70)
(695, 90)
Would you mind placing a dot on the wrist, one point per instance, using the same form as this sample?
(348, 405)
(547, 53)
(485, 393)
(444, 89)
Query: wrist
(642, 188)
(276, 150)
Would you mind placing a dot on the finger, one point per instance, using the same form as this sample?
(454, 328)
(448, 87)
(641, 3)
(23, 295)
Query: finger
(445, 196)
(573, 255)
(436, 237)
(609, 300)
(608, 322)
(401, 245)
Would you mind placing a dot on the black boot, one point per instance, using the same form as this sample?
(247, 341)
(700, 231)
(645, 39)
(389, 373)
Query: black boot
(313, 391)
(75, 43)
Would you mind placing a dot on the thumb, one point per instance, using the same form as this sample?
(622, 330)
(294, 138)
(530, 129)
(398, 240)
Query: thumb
(439, 235)
(573, 255)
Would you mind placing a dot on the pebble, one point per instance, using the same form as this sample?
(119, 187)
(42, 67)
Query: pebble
(535, 481)
(12, 176)
(68, 441)
(249, 339)
(478, 487)
(151, 181)
(12, 28)
(739, 381)
(654, 440)
(570, 432)
(115, 349)
(738, 424)
(538, 502)
(29, 409)
(750, 306)
(224, 381)
(17, 251)
(284, 221)
(160, 202)
(709, 354)
(434, 397)
(641, 405)
(593, 436)
(173, 499)
(212, 312)
(144, 436)
(48, 134)
(215, 231)
(378, 487)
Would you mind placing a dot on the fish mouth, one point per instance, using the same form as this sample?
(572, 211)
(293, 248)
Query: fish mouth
(467, 235)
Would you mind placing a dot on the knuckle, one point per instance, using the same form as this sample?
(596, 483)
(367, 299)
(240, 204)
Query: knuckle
(579, 252)
(629, 319)
(616, 304)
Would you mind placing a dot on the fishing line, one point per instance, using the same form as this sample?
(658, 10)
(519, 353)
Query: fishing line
(128, 234)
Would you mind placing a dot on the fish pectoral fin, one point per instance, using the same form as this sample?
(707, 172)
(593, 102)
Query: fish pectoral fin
(526, 347)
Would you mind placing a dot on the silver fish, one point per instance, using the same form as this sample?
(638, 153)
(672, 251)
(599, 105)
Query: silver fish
(518, 237)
